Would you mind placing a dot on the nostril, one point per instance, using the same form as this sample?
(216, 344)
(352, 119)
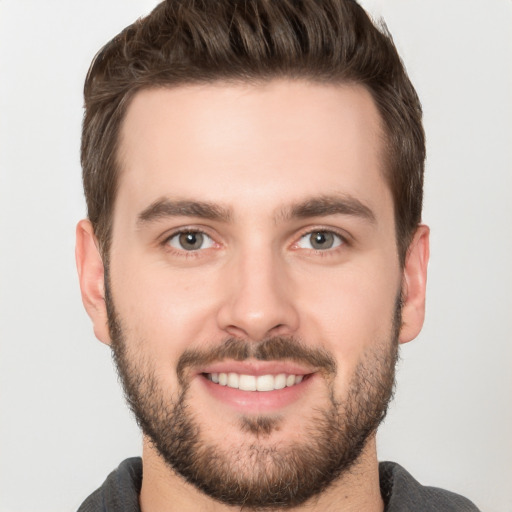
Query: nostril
(236, 332)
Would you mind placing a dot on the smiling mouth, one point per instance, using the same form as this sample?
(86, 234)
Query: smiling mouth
(255, 382)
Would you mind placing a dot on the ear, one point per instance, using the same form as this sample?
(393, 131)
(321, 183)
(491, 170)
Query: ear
(414, 285)
(91, 274)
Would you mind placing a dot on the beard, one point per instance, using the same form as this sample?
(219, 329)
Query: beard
(259, 474)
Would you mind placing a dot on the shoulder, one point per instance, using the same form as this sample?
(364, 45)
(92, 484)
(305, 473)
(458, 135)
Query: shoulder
(119, 492)
(401, 493)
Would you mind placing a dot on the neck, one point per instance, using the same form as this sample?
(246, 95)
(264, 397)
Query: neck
(165, 491)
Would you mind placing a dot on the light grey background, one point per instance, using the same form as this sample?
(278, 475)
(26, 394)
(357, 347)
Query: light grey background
(63, 422)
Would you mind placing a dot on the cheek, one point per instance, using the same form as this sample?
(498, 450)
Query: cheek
(163, 310)
(351, 312)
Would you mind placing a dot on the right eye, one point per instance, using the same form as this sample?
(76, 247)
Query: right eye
(190, 241)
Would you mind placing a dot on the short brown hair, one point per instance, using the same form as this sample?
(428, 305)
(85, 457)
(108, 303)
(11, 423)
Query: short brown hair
(201, 41)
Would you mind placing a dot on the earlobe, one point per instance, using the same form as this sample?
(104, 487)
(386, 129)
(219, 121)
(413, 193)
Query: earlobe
(91, 274)
(414, 285)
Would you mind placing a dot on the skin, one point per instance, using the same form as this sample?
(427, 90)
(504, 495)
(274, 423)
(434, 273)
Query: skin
(255, 152)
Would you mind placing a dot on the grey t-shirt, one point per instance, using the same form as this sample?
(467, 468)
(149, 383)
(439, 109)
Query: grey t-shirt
(400, 491)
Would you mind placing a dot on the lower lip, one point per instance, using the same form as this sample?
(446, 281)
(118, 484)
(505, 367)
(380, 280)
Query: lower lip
(257, 402)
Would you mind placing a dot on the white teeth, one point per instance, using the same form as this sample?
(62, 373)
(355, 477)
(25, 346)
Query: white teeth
(280, 381)
(253, 383)
(247, 383)
(265, 383)
(233, 380)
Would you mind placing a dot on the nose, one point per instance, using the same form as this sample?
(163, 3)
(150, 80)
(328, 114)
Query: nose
(259, 299)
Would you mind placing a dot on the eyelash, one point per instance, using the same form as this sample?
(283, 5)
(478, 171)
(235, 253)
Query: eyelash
(309, 231)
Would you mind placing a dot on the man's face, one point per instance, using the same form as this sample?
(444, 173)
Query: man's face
(253, 246)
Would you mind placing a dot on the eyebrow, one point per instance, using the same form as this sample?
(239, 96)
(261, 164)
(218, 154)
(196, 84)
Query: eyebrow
(162, 208)
(326, 205)
(321, 206)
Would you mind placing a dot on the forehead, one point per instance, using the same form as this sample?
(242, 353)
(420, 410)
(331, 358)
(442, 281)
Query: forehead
(251, 145)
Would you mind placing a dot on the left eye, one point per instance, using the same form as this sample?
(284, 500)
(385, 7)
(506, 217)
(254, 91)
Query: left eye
(320, 240)
(190, 241)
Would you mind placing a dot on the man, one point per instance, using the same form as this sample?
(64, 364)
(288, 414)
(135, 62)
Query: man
(254, 253)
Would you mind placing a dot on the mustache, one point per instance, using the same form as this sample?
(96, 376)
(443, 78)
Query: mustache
(277, 348)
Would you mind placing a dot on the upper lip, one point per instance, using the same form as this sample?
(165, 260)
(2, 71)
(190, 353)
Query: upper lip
(257, 368)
